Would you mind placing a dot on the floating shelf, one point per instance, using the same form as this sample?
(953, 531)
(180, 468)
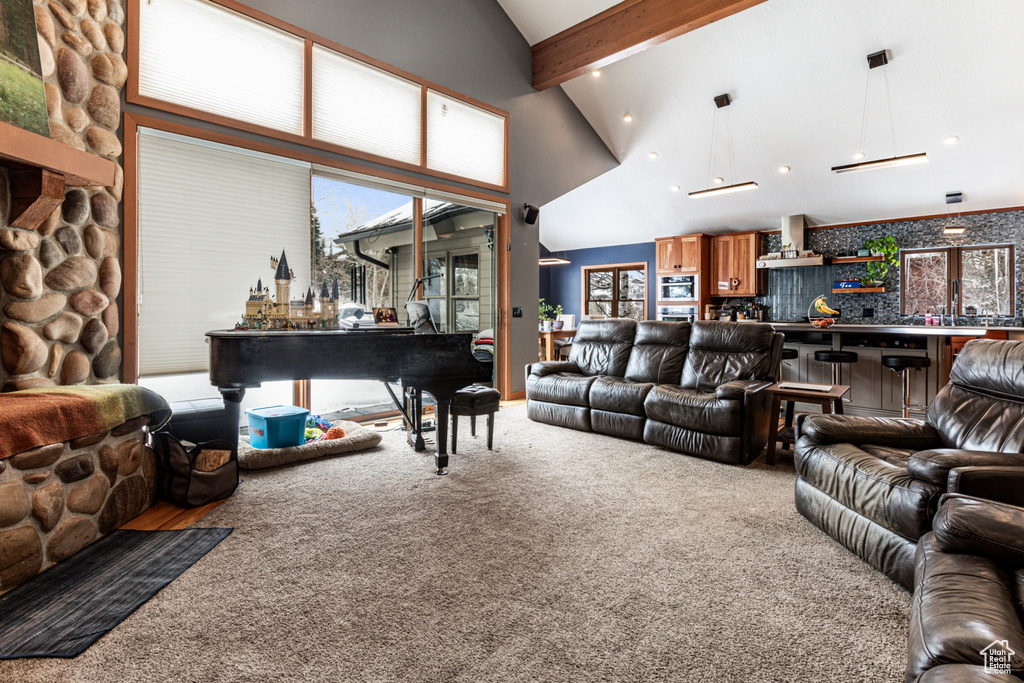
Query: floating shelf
(855, 259)
(860, 290)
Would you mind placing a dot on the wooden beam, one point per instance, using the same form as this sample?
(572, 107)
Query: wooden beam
(19, 147)
(35, 194)
(620, 31)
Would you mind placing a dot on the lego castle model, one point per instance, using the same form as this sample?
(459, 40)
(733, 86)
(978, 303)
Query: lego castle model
(281, 313)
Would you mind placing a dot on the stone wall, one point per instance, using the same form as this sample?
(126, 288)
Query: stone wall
(58, 307)
(57, 499)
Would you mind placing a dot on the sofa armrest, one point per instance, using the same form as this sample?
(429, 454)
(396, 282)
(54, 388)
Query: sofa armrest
(895, 432)
(1001, 483)
(551, 367)
(934, 465)
(738, 388)
(974, 526)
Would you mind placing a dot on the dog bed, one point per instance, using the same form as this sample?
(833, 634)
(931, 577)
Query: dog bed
(357, 438)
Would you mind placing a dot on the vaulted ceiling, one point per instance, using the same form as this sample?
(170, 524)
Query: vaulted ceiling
(797, 75)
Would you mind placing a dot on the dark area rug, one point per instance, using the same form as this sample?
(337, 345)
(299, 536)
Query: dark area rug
(64, 610)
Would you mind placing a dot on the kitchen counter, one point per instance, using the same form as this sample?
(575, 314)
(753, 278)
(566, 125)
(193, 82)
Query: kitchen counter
(923, 330)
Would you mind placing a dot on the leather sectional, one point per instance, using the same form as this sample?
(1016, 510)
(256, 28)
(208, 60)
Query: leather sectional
(874, 484)
(697, 389)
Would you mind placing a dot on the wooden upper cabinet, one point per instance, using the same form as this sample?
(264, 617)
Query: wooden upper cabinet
(677, 254)
(734, 264)
(666, 257)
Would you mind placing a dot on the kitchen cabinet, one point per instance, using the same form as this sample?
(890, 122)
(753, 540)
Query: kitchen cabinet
(678, 254)
(734, 264)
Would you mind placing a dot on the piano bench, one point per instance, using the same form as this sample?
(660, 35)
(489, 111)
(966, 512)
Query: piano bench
(472, 401)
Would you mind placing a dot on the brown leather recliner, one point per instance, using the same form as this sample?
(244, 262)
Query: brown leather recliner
(874, 484)
(969, 595)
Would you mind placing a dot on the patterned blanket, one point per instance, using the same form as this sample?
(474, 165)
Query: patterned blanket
(36, 417)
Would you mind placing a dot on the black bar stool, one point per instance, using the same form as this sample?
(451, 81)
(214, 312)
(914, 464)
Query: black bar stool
(902, 365)
(790, 354)
(472, 401)
(837, 359)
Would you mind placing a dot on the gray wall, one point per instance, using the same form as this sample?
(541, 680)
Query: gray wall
(472, 47)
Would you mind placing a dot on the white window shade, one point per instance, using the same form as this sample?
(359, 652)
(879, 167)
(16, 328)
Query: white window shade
(465, 140)
(205, 57)
(365, 108)
(210, 218)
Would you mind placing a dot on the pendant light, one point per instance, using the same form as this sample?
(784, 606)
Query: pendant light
(875, 61)
(721, 102)
(954, 227)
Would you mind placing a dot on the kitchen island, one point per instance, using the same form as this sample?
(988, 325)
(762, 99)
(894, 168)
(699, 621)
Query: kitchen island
(874, 389)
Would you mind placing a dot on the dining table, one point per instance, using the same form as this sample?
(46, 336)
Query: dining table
(547, 341)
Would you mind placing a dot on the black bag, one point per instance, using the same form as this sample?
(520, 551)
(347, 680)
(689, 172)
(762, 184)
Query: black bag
(197, 476)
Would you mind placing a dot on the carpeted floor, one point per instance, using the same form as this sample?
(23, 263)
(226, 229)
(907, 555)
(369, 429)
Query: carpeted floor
(559, 556)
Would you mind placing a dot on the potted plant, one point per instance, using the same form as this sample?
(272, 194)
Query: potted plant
(556, 312)
(877, 270)
(544, 313)
(789, 252)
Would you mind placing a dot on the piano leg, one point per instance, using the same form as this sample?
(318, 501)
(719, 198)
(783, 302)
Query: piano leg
(233, 410)
(417, 406)
(441, 435)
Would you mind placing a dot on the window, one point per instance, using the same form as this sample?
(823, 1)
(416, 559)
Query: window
(974, 280)
(465, 140)
(616, 291)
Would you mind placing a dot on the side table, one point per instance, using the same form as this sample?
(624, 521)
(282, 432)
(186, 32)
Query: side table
(831, 401)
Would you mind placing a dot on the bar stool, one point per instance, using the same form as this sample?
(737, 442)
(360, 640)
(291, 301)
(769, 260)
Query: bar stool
(837, 359)
(472, 401)
(902, 365)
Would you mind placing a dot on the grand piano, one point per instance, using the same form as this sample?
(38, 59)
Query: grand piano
(439, 364)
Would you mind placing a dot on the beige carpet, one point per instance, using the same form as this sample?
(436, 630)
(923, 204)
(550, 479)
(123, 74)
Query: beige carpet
(559, 556)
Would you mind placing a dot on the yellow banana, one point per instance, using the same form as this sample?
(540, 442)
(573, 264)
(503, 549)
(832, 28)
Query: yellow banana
(821, 307)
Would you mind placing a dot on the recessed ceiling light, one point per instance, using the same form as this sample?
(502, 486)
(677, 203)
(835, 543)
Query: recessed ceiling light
(858, 156)
(718, 180)
(653, 155)
(783, 169)
(627, 117)
(674, 188)
(595, 73)
(951, 140)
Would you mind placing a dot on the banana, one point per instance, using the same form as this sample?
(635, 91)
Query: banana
(821, 307)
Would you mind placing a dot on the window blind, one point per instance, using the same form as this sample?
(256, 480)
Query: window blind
(210, 218)
(364, 108)
(208, 58)
(465, 140)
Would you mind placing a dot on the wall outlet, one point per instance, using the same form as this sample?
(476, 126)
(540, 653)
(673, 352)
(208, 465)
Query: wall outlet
(517, 311)
(868, 313)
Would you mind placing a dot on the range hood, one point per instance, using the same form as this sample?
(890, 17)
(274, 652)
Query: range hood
(792, 234)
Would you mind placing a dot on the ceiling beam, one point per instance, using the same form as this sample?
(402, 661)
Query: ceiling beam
(620, 31)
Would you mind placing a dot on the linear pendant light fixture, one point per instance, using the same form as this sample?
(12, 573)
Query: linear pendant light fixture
(954, 227)
(876, 60)
(553, 261)
(721, 102)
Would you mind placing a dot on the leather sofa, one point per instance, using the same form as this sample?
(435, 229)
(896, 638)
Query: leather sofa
(874, 484)
(697, 389)
(969, 577)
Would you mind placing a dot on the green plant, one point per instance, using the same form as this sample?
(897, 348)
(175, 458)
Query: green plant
(544, 311)
(886, 246)
(557, 311)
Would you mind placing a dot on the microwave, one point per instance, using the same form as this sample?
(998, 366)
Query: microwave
(678, 288)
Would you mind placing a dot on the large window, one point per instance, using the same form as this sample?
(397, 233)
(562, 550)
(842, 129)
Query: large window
(974, 280)
(616, 291)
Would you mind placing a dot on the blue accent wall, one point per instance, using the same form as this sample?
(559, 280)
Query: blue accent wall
(563, 282)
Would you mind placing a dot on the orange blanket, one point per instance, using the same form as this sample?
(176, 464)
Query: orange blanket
(36, 417)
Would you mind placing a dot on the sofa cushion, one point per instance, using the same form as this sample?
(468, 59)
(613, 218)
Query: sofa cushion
(962, 604)
(722, 351)
(562, 387)
(618, 395)
(980, 527)
(696, 442)
(696, 410)
(659, 352)
(602, 347)
(880, 490)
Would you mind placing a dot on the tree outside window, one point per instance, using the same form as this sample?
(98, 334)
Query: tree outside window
(616, 291)
(985, 275)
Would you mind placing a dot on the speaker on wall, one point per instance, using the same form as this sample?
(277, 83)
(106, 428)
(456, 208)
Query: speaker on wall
(530, 213)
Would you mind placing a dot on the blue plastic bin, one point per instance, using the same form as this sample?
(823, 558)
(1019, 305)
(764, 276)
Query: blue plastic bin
(277, 426)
